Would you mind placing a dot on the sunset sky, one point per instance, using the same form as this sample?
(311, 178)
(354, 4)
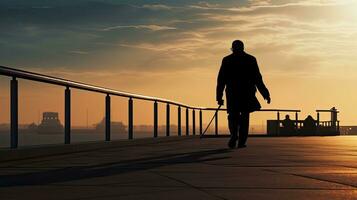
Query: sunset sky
(306, 49)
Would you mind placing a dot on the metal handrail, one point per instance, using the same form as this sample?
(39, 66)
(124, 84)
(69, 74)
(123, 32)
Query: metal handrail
(261, 110)
(7, 71)
(330, 111)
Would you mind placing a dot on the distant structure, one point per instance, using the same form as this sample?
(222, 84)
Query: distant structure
(117, 127)
(50, 123)
(32, 127)
(307, 127)
(334, 120)
(4, 127)
(348, 130)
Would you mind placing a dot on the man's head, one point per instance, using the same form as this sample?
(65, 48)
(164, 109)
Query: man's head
(237, 46)
(287, 117)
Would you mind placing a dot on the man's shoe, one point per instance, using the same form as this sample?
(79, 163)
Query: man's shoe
(232, 142)
(242, 146)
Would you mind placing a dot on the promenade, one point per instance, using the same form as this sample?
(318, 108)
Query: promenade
(184, 168)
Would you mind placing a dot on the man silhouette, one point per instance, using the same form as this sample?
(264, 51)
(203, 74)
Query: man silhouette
(288, 125)
(240, 76)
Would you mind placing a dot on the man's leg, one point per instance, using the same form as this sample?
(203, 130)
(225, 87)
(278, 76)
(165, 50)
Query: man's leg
(233, 129)
(243, 123)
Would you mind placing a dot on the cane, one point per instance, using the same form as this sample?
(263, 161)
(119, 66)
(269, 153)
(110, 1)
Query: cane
(209, 124)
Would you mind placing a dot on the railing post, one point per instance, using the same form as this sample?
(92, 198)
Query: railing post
(278, 123)
(318, 123)
(338, 126)
(193, 122)
(200, 122)
(107, 118)
(67, 116)
(167, 119)
(216, 124)
(130, 119)
(187, 123)
(296, 120)
(155, 119)
(14, 113)
(179, 121)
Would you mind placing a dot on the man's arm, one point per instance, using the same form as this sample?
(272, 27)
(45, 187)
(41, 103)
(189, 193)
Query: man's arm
(221, 83)
(260, 84)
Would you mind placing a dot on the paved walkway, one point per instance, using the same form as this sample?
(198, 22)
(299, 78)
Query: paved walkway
(187, 168)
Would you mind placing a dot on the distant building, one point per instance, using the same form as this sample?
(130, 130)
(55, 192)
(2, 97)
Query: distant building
(4, 127)
(32, 127)
(117, 127)
(348, 130)
(50, 123)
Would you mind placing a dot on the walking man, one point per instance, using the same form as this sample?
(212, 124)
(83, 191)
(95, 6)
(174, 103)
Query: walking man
(240, 76)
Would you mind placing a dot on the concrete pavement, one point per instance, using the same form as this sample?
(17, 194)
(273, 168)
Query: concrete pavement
(184, 168)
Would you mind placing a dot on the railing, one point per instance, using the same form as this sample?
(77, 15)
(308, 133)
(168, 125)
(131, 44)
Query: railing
(278, 112)
(298, 127)
(68, 84)
(300, 124)
(333, 123)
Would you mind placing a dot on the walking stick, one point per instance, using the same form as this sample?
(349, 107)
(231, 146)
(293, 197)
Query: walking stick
(209, 124)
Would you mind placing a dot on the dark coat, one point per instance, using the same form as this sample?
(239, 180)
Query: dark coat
(240, 75)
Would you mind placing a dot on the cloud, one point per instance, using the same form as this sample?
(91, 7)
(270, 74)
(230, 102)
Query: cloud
(150, 27)
(205, 5)
(254, 5)
(185, 33)
(79, 52)
(259, 2)
(42, 7)
(157, 6)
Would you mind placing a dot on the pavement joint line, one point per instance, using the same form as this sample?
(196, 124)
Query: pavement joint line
(125, 195)
(258, 166)
(21, 167)
(314, 178)
(298, 161)
(50, 160)
(188, 184)
(204, 187)
(143, 160)
(118, 184)
(109, 147)
(321, 179)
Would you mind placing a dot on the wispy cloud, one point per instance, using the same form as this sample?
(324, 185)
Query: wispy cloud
(78, 52)
(254, 5)
(42, 7)
(259, 2)
(150, 27)
(157, 6)
(205, 5)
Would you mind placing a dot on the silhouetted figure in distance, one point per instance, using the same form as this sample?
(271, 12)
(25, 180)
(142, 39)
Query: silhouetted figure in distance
(239, 75)
(309, 125)
(288, 125)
